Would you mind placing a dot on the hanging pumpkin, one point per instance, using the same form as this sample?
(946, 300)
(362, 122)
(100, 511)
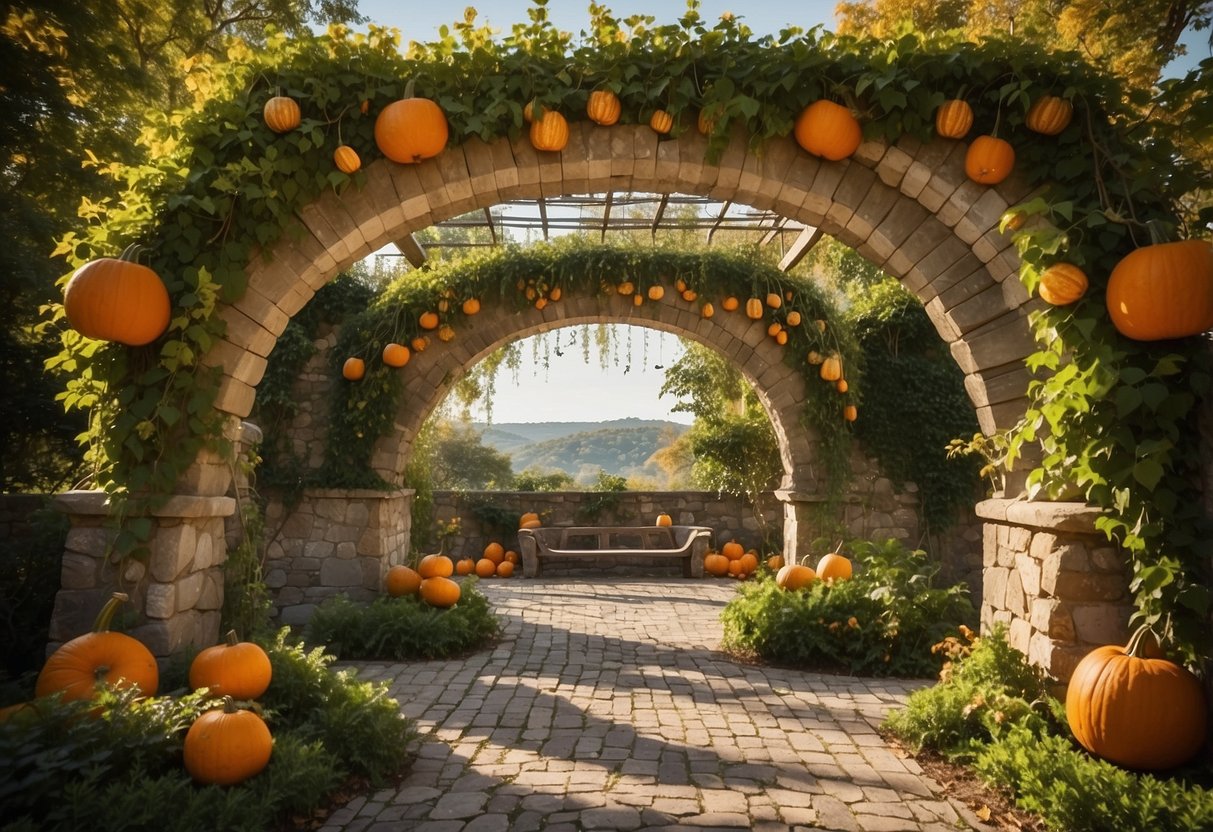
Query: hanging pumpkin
(396, 355)
(117, 300)
(753, 309)
(707, 310)
(1062, 284)
(419, 343)
(850, 413)
(689, 295)
(716, 564)
(989, 160)
(239, 669)
(656, 292)
(353, 369)
(551, 132)
(841, 385)
(227, 746)
(661, 122)
(75, 669)
(471, 306)
(774, 300)
(440, 592)
(828, 130)
(793, 318)
(730, 304)
(603, 107)
(1049, 115)
(446, 333)
(794, 576)
(1163, 291)
(528, 112)
(953, 119)
(401, 580)
(411, 129)
(706, 126)
(346, 159)
(428, 320)
(835, 566)
(281, 114)
(831, 368)
(664, 520)
(1129, 706)
(435, 566)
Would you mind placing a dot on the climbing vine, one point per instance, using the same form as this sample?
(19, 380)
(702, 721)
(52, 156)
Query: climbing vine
(218, 189)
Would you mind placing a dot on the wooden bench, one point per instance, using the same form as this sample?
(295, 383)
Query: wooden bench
(688, 542)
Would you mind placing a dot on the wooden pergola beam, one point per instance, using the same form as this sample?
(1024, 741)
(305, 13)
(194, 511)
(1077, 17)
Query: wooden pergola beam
(412, 251)
(803, 245)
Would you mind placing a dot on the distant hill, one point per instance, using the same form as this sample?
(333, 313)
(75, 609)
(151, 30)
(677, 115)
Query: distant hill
(620, 447)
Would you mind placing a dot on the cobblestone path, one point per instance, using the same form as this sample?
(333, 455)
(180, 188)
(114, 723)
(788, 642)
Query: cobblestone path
(607, 706)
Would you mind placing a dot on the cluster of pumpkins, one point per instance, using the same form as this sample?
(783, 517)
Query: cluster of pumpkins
(734, 561)
(224, 745)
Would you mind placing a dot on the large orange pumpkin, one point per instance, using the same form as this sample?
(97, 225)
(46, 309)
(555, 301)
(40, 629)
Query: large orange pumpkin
(396, 355)
(989, 160)
(485, 568)
(1049, 115)
(603, 107)
(551, 132)
(117, 299)
(505, 569)
(1163, 291)
(78, 666)
(831, 368)
(227, 745)
(834, 566)
(464, 566)
(495, 552)
(239, 669)
(828, 130)
(353, 369)
(794, 576)
(281, 114)
(401, 580)
(411, 129)
(440, 592)
(1136, 710)
(435, 566)
(1062, 284)
(953, 119)
(732, 550)
(716, 564)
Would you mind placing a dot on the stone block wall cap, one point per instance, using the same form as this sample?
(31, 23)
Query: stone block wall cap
(357, 493)
(790, 495)
(82, 502)
(178, 505)
(1063, 517)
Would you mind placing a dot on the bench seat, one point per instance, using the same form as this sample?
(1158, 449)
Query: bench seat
(688, 542)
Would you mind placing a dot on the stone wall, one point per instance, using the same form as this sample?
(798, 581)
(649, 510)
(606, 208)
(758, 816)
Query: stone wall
(333, 542)
(1057, 584)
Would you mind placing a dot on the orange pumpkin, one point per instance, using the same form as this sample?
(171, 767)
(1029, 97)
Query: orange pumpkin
(117, 299)
(495, 552)
(707, 310)
(953, 119)
(428, 320)
(551, 132)
(485, 568)
(227, 746)
(239, 669)
(529, 520)
(435, 566)
(828, 130)
(419, 343)
(511, 556)
(793, 318)
(774, 300)
(664, 520)
(850, 413)
(603, 107)
(1049, 115)
(656, 292)
(794, 576)
(989, 160)
(841, 385)
(730, 304)
(716, 564)
(353, 369)
(464, 566)
(281, 114)
(753, 309)
(831, 368)
(505, 569)
(446, 333)
(528, 112)
(396, 355)
(346, 159)
(775, 563)
(401, 580)
(689, 295)
(732, 550)
(1163, 291)
(75, 669)
(1136, 709)
(440, 592)
(1062, 284)
(661, 122)
(706, 126)
(834, 566)
(748, 563)
(411, 129)
(471, 306)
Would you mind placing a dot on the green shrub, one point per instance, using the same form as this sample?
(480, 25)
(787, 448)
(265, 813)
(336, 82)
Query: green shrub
(29, 578)
(882, 621)
(403, 628)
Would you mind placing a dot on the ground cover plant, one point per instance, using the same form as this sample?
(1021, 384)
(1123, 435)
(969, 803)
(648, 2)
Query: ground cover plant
(993, 711)
(116, 762)
(881, 621)
(404, 628)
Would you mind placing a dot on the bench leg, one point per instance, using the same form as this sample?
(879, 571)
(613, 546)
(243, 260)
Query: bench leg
(530, 560)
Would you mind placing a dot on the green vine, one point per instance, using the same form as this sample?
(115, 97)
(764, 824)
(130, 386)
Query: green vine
(219, 189)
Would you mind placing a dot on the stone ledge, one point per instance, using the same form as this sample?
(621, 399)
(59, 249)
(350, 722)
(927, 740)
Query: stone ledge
(96, 503)
(1062, 517)
(356, 493)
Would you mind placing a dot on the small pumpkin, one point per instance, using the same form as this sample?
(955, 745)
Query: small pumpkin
(440, 592)
(401, 580)
(529, 520)
(794, 576)
(412, 129)
(716, 564)
(707, 310)
(117, 299)
(464, 566)
(227, 745)
(1049, 115)
(1062, 284)
(793, 318)
(774, 328)
(664, 520)
(842, 385)
(603, 107)
(850, 413)
(494, 552)
(471, 306)
(75, 669)
(419, 343)
(753, 309)
(550, 133)
(235, 668)
(834, 566)
(989, 160)
(1163, 291)
(689, 295)
(831, 368)
(281, 114)
(511, 556)
(732, 550)
(485, 568)
(828, 130)
(706, 126)
(656, 292)
(528, 111)
(661, 122)
(396, 355)
(748, 563)
(446, 333)
(435, 566)
(353, 369)
(774, 300)
(1134, 708)
(505, 569)
(346, 159)
(775, 563)
(953, 119)
(730, 304)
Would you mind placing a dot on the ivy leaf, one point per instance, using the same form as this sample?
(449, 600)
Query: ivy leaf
(1148, 473)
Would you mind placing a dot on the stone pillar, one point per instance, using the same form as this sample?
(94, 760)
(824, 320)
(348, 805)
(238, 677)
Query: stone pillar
(1059, 585)
(333, 542)
(176, 595)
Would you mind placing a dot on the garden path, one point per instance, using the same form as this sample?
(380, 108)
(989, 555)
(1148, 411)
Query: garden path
(606, 705)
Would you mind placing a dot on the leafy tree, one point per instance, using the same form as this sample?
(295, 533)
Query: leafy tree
(460, 461)
(533, 480)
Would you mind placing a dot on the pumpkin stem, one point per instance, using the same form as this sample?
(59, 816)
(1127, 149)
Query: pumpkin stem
(408, 88)
(1159, 232)
(131, 253)
(1143, 643)
(229, 705)
(231, 639)
(106, 616)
